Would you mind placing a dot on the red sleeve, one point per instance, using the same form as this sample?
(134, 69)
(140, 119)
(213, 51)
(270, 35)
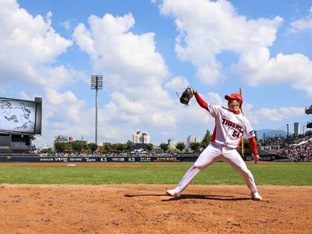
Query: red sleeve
(253, 145)
(201, 101)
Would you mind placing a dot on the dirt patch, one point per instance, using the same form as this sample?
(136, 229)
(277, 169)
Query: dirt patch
(146, 209)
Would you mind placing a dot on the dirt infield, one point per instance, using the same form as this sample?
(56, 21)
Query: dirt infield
(146, 209)
(72, 209)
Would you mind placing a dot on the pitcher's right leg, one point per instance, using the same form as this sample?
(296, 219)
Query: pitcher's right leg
(206, 158)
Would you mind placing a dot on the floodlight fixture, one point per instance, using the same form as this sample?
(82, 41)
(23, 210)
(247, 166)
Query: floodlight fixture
(96, 82)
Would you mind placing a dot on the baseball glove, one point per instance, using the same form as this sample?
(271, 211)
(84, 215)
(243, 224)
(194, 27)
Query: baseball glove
(186, 96)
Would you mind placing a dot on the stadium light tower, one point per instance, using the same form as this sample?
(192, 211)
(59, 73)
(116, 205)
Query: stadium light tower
(96, 83)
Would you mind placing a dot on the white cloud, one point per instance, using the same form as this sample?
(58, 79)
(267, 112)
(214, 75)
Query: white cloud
(132, 69)
(65, 106)
(65, 114)
(218, 27)
(129, 59)
(303, 24)
(68, 24)
(177, 83)
(287, 68)
(163, 119)
(29, 46)
(277, 115)
(126, 104)
(84, 40)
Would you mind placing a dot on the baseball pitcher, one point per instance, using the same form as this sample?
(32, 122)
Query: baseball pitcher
(230, 126)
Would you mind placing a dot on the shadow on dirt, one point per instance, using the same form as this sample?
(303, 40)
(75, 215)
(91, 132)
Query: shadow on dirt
(192, 196)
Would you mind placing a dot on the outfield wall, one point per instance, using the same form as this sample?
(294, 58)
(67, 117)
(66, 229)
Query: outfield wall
(77, 159)
(93, 159)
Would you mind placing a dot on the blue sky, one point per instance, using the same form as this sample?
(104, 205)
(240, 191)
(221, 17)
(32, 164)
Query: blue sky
(147, 51)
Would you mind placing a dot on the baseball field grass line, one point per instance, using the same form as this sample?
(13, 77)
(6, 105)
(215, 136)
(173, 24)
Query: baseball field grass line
(265, 173)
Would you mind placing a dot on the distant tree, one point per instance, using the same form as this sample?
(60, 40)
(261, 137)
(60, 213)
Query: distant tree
(61, 147)
(119, 147)
(206, 139)
(164, 146)
(47, 150)
(149, 147)
(128, 145)
(93, 147)
(195, 146)
(106, 148)
(180, 146)
(79, 146)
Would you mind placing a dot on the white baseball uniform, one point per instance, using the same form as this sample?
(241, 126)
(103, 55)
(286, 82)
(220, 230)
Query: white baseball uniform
(229, 129)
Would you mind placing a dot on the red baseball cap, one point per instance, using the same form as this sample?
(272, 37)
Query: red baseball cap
(234, 96)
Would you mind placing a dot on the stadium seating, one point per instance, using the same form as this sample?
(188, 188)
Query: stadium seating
(308, 110)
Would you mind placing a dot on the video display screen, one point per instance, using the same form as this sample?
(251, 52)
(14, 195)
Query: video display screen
(20, 116)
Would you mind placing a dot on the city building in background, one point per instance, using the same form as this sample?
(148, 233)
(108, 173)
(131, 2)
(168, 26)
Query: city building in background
(296, 128)
(141, 138)
(192, 139)
(63, 139)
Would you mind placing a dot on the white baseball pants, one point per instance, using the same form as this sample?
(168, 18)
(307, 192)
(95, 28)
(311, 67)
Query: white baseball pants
(214, 153)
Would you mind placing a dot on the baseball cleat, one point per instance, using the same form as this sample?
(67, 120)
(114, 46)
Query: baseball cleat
(174, 193)
(256, 196)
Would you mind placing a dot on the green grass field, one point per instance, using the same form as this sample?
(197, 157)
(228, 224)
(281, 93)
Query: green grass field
(265, 173)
